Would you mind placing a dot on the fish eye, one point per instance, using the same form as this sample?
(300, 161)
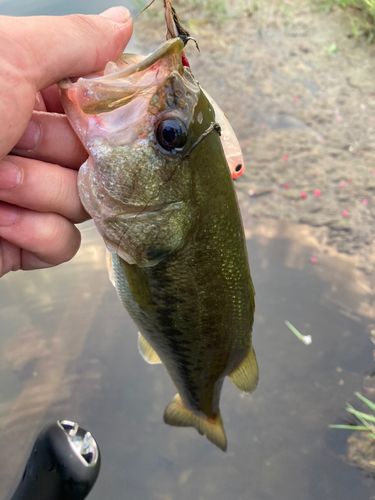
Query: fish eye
(171, 134)
(238, 168)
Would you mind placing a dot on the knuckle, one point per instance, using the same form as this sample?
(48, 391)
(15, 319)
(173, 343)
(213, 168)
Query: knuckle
(63, 196)
(61, 240)
(58, 193)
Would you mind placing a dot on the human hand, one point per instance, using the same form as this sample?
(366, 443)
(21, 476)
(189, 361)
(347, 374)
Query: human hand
(39, 202)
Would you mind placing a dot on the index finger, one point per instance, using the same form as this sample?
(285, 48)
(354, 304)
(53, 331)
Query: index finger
(58, 47)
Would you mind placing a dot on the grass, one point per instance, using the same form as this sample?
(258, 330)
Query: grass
(220, 7)
(362, 12)
(332, 49)
(306, 339)
(367, 420)
(208, 10)
(363, 15)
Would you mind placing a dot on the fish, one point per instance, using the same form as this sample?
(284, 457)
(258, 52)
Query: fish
(159, 189)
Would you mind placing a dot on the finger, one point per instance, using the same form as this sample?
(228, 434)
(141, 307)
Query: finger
(49, 137)
(41, 186)
(58, 47)
(51, 97)
(50, 237)
(39, 103)
(36, 52)
(13, 258)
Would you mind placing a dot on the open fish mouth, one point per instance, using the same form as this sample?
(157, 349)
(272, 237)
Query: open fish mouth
(112, 106)
(115, 73)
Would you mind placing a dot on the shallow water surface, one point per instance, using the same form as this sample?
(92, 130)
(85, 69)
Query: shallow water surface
(69, 350)
(59, 7)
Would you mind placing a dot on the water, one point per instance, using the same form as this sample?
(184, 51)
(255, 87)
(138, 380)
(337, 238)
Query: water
(59, 7)
(68, 350)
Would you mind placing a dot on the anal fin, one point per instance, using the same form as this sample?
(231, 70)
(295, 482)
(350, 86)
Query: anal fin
(246, 376)
(178, 415)
(147, 352)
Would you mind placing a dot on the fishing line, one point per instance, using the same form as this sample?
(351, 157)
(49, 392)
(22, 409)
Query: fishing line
(147, 6)
(87, 229)
(213, 126)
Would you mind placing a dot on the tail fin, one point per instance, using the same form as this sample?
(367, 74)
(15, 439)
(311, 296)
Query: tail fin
(177, 414)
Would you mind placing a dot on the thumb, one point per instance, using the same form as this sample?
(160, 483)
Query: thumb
(48, 49)
(36, 52)
(117, 14)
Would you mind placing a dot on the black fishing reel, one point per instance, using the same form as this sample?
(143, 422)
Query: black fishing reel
(64, 464)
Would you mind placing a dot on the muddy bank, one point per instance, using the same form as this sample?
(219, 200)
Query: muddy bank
(300, 93)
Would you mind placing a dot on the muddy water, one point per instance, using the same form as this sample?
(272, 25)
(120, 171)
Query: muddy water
(69, 350)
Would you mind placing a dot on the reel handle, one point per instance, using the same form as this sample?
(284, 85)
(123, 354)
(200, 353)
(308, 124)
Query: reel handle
(64, 464)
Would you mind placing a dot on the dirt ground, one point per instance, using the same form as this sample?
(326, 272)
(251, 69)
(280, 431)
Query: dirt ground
(361, 452)
(299, 90)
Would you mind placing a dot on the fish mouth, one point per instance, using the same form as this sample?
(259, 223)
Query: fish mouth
(118, 85)
(169, 48)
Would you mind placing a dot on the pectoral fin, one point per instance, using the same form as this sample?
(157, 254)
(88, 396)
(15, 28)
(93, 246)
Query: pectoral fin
(246, 376)
(178, 415)
(147, 352)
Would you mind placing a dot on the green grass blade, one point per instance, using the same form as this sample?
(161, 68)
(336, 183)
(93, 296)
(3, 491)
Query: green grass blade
(362, 419)
(369, 403)
(349, 427)
(306, 339)
(366, 419)
(359, 414)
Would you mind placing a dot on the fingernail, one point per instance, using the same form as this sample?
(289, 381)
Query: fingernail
(10, 175)
(119, 15)
(30, 137)
(8, 214)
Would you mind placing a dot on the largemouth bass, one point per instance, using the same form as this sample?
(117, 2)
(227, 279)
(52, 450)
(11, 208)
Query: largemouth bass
(159, 189)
